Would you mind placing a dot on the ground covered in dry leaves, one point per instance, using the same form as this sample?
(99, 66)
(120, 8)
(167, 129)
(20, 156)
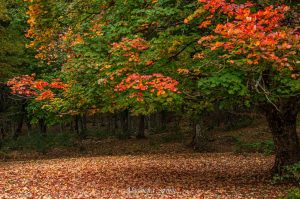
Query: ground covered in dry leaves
(223, 175)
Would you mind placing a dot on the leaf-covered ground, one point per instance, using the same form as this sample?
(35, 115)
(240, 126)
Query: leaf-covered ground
(222, 175)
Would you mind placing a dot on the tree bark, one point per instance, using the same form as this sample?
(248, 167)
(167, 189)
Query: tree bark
(199, 141)
(29, 126)
(125, 124)
(282, 124)
(83, 127)
(196, 142)
(109, 126)
(84, 122)
(21, 120)
(76, 126)
(141, 130)
(43, 127)
(163, 120)
(116, 126)
(61, 127)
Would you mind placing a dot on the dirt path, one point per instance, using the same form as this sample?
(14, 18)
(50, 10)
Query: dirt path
(146, 176)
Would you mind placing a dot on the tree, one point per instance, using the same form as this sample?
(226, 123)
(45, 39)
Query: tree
(146, 56)
(259, 51)
(13, 54)
(100, 54)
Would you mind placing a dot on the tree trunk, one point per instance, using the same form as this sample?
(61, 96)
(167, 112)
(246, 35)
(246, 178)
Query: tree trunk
(141, 130)
(19, 127)
(84, 122)
(109, 122)
(76, 126)
(29, 126)
(1, 136)
(163, 120)
(99, 122)
(196, 142)
(43, 127)
(21, 120)
(283, 128)
(61, 127)
(82, 126)
(116, 126)
(125, 124)
(94, 120)
(177, 126)
(199, 141)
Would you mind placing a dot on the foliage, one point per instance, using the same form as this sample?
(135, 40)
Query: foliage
(13, 54)
(38, 142)
(102, 58)
(266, 147)
(131, 54)
(290, 174)
(146, 56)
(252, 43)
(27, 86)
(293, 193)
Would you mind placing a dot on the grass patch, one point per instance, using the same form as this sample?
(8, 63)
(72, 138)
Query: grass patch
(154, 143)
(174, 137)
(293, 193)
(291, 174)
(38, 142)
(265, 147)
(100, 134)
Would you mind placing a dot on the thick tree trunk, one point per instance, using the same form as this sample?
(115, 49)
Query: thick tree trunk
(283, 128)
(141, 130)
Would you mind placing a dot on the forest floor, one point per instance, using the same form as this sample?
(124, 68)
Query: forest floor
(206, 175)
(237, 164)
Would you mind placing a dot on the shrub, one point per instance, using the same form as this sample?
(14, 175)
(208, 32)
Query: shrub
(293, 193)
(290, 174)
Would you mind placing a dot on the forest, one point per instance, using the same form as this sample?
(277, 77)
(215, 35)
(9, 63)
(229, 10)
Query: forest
(149, 99)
